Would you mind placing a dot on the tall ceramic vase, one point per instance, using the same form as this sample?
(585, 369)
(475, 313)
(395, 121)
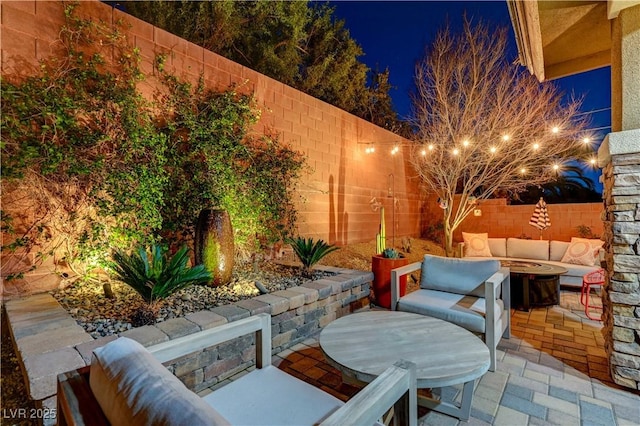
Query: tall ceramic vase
(381, 268)
(213, 245)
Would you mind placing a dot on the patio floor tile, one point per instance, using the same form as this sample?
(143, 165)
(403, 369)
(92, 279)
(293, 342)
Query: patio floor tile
(565, 382)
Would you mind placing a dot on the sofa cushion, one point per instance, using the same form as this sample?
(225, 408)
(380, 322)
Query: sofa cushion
(528, 249)
(498, 247)
(289, 401)
(466, 311)
(557, 249)
(461, 276)
(476, 245)
(134, 388)
(582, 251)
(574, 270)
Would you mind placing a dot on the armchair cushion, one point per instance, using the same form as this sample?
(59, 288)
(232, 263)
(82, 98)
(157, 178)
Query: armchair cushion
(466, 311)
(244, 401)
(458, 276)
(134, 388)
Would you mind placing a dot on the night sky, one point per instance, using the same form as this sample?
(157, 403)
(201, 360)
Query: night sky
(394, 35)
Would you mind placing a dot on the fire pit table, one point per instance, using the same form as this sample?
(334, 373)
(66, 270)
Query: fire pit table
(529, 270)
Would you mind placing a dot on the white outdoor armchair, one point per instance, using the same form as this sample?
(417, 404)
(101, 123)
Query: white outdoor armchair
(474, 295)
(126, 384)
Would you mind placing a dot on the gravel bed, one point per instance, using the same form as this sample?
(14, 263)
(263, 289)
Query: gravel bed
(101, 316)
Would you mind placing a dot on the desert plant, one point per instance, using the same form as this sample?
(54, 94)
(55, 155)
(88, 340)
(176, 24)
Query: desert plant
(155, 276)
(585, 231)
(391, 253)
(308, 252)
(381, 236)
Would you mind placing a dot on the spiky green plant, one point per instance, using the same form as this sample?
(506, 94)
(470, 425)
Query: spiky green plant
(155, 276)
(391, 253)
(309, 252)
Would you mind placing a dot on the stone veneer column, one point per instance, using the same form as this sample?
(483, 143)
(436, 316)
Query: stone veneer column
(619, 156)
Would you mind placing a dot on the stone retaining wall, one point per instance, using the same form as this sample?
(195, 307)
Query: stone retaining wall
(49, 342)
(621, 293)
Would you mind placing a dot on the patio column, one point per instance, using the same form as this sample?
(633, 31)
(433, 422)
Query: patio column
(619, 157)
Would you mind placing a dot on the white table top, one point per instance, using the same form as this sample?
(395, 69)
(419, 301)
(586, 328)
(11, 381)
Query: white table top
(363, 345)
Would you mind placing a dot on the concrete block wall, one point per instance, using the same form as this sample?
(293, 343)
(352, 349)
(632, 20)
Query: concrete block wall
(500, 219)
(334, 195)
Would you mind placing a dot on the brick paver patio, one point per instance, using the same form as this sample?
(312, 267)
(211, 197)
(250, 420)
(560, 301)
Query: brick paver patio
(553, 370)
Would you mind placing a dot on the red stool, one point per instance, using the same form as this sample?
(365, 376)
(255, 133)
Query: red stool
(592, 279)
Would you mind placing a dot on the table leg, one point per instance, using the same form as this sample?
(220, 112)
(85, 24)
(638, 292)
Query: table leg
(461, 412)
(525, 292)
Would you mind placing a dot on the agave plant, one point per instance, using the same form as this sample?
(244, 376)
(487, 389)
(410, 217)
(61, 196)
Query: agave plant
(390, 253)
(154, 276)
(308, 252)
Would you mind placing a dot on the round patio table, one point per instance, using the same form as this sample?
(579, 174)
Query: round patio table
(363, 345)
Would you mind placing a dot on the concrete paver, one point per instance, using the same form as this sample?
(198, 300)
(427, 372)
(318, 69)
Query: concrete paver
(527, 388)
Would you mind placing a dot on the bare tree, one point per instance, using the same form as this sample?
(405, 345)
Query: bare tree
(484, 126)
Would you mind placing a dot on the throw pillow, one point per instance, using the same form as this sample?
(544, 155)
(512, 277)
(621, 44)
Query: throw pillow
(582, 251)
(476, 245)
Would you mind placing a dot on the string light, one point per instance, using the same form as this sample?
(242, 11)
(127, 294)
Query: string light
(456, 151)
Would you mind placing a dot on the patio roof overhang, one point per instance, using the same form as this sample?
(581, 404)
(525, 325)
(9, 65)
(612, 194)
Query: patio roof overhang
(560, 38)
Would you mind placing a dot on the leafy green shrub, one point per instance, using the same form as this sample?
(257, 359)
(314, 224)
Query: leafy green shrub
(154, 276)
(308, 252)
(106, 168)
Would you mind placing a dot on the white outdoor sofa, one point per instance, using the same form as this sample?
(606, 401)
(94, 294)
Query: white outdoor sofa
(474, 295)
(126, 384)
(551, 252)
